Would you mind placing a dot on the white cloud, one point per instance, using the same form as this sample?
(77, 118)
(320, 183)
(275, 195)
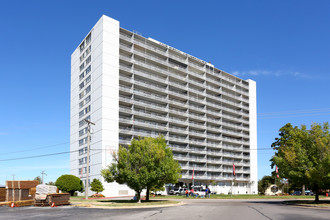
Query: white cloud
(276, 73)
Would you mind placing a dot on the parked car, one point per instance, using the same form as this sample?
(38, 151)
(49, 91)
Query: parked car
(296, 193)
(309, 193)
(178, 192)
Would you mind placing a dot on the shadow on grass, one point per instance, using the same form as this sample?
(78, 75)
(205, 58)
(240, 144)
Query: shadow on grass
(308, 202)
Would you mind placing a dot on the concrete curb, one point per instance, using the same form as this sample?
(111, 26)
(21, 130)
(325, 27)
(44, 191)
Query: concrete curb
(93, 206)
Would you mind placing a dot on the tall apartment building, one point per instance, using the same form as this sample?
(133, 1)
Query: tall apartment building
(131, 86)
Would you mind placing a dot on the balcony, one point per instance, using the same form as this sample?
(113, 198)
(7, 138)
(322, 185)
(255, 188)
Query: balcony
(178, 139)
(155, 49)
(125, 68)
(178, 121)
(150, 115)
(177, 102)
(126, 79)
(196, 142)
(125, 37)
(126, 120)
(125, 99)
(174, 57)
(200, 76)
(150, 57)
(151, 76)
(177, 76)
(151, 86)
(152, 67)
(128, 59)
(125, 89)
(178, 148)
(196, 66)
(178, 130)
(214, 153)
(178, 85)
(127, 110)
(150, 125)
(151, 95)
(125, 131)
(180, 158)
(198, 159)
(230, 147)
(145, 104)
(196, 151)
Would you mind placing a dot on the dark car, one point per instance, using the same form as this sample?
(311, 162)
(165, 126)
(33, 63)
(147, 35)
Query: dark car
(296, 193)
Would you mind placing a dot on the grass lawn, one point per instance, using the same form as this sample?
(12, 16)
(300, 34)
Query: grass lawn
(118, 203)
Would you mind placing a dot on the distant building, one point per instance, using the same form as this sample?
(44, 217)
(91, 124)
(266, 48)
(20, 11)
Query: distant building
(131, 86)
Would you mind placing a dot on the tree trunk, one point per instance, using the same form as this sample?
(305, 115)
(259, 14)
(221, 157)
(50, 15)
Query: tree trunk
(303, 190)
(147, 196)
(139, 197)
(317, 196)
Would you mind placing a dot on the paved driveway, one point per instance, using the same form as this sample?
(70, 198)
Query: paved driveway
(194, 209)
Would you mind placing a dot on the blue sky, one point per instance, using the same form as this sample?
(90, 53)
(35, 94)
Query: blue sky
(282, 45)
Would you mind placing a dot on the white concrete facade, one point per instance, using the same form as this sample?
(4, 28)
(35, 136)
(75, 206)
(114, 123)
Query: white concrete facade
(132, 86)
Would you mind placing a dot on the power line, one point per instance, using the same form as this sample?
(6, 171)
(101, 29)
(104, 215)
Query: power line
(37, 148)
(36, 156)
(67, 152)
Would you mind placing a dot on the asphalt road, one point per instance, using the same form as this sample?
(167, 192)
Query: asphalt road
(194, 209)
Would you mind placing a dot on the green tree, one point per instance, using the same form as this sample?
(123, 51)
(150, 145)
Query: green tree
(146, 163)
(69, 183)
(38, 178)
(96, 186)
(303, 156)
(50, 183)
(264, 183)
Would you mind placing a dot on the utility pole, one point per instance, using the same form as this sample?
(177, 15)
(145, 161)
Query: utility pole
(88, 148)
(42, 176)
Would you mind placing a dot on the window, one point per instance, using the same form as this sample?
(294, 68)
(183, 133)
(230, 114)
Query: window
(82, 75)
(88, 60)
(83, 131)
(89, 38)
(84, 141)
(83, 122)
(88, 79)
(82, 46)
(82, 160)
(82, 66)
(88, 50)
(82, 151)
(88, 89)
(83, 93)
(84, 111)
(81, 85)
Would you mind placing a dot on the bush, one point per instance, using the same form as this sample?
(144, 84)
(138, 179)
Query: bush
(97, 195)
(69, 183)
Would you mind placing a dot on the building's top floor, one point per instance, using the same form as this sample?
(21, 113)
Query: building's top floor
(157, 45)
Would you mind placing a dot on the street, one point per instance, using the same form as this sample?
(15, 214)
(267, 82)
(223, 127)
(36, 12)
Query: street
(193, 209)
